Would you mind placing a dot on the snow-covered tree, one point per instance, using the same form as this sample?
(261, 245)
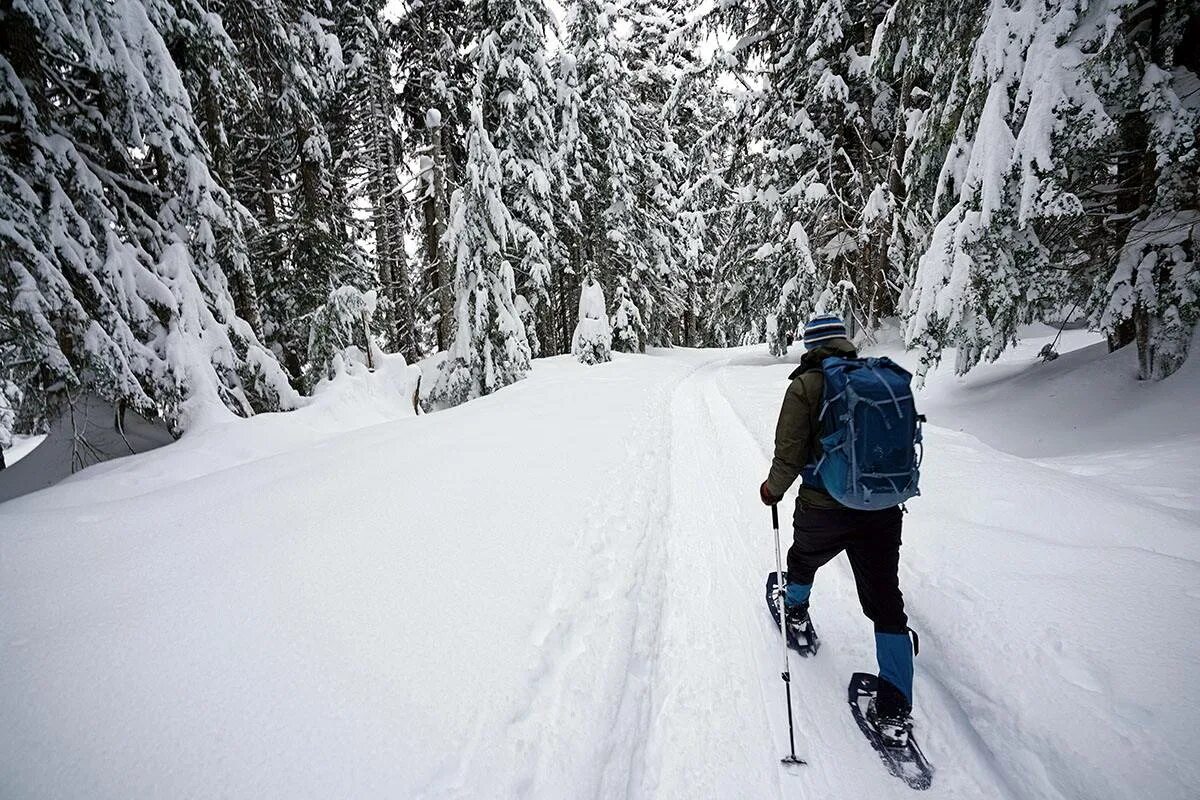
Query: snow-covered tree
(341, 328)
(592, 340)
(490, 348)
(110, 262)
(628, 332)
(620, 71)
(1153, 294)
(813, 137)
(368, 198)
(598, 141)
(529, 320)
(1042, 179)
(433, 40)
(288, 151)
(523, 110)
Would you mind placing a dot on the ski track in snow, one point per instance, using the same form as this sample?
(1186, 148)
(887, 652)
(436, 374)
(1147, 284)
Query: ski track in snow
(645, 665)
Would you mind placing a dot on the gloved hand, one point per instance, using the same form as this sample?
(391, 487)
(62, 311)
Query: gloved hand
(765, 495)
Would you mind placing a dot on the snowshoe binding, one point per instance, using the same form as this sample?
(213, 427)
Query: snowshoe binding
(801, 635)
(893, 729)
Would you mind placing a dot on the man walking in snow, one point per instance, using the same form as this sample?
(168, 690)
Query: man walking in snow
(824, 528)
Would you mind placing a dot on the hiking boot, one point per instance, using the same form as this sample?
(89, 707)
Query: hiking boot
(891, 715)
(799, 624)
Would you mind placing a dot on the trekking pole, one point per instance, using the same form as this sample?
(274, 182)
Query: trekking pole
(787, 666)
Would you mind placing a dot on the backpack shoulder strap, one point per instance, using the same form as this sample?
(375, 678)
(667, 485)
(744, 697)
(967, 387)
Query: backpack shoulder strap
(802, 370)
(819, 366)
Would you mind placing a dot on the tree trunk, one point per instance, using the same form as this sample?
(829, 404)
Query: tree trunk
(434, 209)
(381, 218)
(1137, 173)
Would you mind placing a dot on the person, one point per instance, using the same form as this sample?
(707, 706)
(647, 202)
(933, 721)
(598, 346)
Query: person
(824, 528)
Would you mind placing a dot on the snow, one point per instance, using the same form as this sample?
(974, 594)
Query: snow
(555, 591)
(591, 342)
(21, 447)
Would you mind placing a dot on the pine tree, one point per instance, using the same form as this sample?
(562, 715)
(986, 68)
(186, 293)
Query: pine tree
(598, 143)
(816, 185)
(368, 197)
(628, 331)
(1153, 294)
(288, 134)
(1023, 191)
(490, 227)
(490, 349)
(534, 181)
(435, 78)
(659, 52)
(109, 269)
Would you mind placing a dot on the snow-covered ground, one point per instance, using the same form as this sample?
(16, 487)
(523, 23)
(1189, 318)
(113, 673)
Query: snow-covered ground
(21, 447)
(556, 591)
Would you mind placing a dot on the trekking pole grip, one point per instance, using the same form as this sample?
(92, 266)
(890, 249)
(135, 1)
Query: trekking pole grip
(775, 516)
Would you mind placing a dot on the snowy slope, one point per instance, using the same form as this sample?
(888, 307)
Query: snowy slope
(21, 447)
(555, 591)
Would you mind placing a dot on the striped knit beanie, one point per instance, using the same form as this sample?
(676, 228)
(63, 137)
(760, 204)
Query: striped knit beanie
(822, 328)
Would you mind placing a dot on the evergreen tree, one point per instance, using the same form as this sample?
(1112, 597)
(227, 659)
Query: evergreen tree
(660, 56)
(599, 141)
(628, 332)
(435, 78)
(1153, 294)
(534, 181)
(490, 227)
(282, 161)
(814, 186)
(110, 277)
(368, 197)
(1024, 201)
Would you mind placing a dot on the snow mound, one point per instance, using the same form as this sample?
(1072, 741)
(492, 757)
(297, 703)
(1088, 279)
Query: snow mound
(356, 398)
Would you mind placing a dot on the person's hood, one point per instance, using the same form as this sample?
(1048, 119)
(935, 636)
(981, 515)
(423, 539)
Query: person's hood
(812, 359)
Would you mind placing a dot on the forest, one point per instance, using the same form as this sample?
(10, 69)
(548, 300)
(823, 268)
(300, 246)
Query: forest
(211, 200)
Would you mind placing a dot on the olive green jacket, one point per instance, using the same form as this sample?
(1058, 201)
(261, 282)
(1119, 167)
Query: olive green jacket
(798, 432)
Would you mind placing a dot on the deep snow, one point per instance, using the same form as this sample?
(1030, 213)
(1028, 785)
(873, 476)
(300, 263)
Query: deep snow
(21, 447)
(555, 591)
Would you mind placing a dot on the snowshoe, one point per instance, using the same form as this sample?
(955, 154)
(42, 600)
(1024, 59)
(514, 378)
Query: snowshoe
(893, 729)
(801, 635)
(904, 758)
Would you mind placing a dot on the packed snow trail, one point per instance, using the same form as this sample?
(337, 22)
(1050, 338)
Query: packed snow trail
(722, 723)
(555, 592)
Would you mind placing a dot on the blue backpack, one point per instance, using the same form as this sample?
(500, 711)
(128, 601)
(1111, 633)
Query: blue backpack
(870, 434)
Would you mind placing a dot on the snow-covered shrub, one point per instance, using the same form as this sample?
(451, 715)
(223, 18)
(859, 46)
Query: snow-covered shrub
(838, 298)
(529, 319)
(592, 342)
(1157, 285)
(777, 345)
(628, 333)
(340, 329)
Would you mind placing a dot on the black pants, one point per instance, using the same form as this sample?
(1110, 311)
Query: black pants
(871, 540)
